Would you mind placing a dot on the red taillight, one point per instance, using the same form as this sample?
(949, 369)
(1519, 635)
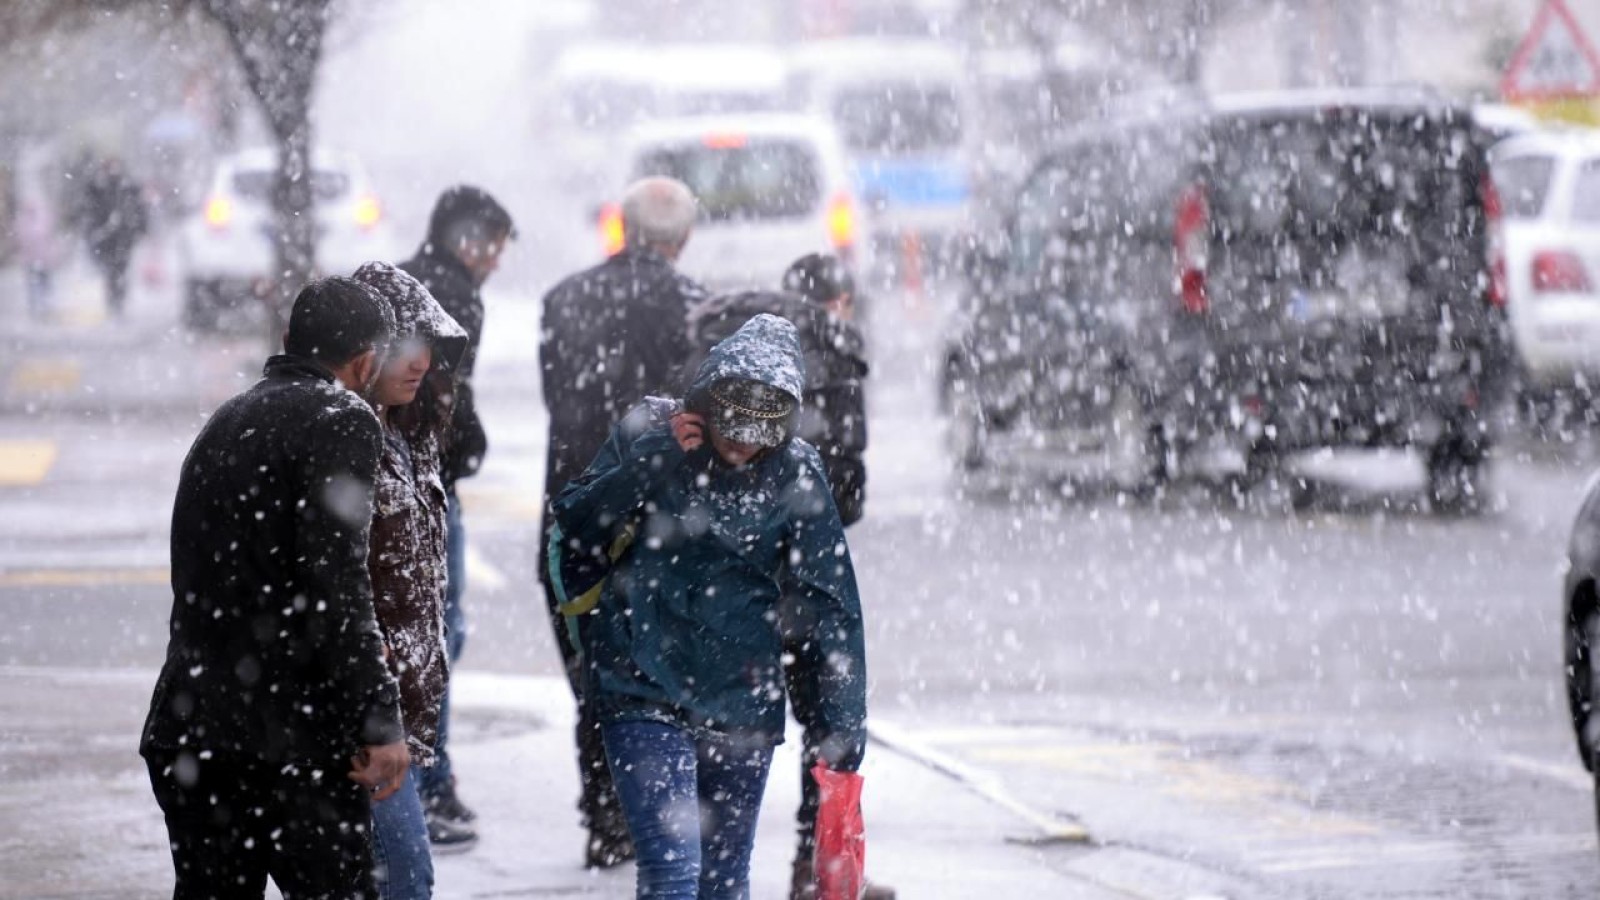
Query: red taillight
(1496, 292)
(219, 212)
(611, 238)
(1191, 238)
(1559, 272)
(841, 222)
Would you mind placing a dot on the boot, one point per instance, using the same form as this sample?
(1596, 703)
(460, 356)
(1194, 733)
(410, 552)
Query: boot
(605, 849)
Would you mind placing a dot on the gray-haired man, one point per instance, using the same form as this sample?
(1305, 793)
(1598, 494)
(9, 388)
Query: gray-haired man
(610, 336)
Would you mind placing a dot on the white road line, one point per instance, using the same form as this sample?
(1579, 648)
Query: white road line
(1572, 776)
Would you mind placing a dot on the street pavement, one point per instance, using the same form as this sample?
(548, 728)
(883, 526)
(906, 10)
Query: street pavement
(1355, 700)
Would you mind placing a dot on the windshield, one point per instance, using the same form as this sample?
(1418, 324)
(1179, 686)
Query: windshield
(898, 118)
(765, 179)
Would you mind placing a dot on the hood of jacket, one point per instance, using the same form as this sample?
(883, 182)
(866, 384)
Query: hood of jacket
(764, 349)
(417, 313)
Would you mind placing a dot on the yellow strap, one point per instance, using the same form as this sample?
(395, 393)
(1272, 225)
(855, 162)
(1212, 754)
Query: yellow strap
(589, 599)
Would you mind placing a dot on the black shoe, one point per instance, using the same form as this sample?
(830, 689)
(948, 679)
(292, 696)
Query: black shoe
(446, 805)
(448, 837)
(605, 850)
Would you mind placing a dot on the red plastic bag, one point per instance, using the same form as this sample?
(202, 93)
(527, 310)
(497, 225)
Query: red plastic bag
(841, 857)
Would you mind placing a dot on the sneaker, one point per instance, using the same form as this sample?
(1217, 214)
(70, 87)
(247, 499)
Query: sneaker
(605, 851)
(447, 805)
(447, 837)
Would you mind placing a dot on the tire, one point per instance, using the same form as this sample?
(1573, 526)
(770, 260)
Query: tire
(200, 306)
(1269, 485)
(1455, 478)
(966, 431)
(1137, 449)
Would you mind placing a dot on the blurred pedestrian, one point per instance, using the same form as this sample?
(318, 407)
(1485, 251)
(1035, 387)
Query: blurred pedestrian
(114, 219)
(732, 514)
(610, 336)
(818, 297)
(467, 232)
(407, 560)
(275, 724)
(40, 249)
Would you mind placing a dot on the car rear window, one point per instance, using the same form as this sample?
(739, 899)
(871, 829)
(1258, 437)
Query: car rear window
(738, 179)
(1586, 194)
(326, 186)
(898, 118)
(1524, 183)
(1335, 172)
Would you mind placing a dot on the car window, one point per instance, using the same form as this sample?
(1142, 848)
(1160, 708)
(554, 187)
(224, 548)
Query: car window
(1351, 172)
(736, 179)
(1523, 183)
(326, 186)
(898, 118)
(1586, 195)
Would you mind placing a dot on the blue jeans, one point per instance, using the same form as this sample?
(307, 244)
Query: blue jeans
(436, 778)
(691, 806)
(400, 844)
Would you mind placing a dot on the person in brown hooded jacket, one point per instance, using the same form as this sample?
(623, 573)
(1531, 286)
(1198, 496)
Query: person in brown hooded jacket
(407, 557)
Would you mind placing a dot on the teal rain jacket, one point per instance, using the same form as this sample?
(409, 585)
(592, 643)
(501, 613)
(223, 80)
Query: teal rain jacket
(686, 631)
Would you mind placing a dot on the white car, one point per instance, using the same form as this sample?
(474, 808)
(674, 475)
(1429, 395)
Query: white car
(772, 187)
(226, 249)
(1549, 189)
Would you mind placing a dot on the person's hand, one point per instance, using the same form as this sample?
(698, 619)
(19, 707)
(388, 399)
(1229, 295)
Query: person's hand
(689, 429)
(381, 768)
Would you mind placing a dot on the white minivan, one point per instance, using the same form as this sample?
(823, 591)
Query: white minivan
(1549, 189)
(771, 188)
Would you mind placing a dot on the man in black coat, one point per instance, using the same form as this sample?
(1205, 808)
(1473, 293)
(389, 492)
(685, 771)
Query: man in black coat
(275, 722)
(114, 219)
(610, 336)
(466, 235)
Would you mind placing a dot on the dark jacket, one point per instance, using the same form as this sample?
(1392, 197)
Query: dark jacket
(686, 630)
(274, 650)
(833, 415)
(114, 214)
(609, 337)
(407, 558)
(448, 280)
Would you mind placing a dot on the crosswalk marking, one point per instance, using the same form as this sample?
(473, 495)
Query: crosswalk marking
(45, 376)
(65, 578)
(26, 462)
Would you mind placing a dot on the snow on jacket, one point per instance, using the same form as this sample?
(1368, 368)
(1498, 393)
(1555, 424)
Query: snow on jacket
(833, 414)
(448, 280)
(274, 651)
(686, 630)
(407, 559)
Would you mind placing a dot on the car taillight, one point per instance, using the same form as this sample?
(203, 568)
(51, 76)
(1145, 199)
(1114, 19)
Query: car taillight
(1191, 238)
(841, 222)
(219, 212)
(611, 239)
(368, 212)
(1497, 291)
(1559, 272)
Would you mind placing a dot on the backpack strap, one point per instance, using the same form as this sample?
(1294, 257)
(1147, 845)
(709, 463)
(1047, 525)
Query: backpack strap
(568, 607)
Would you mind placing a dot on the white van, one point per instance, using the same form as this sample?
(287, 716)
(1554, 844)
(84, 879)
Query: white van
(771, 187)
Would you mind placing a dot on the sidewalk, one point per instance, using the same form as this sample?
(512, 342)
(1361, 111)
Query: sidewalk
(77, 820)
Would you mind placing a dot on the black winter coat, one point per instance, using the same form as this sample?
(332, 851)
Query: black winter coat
(609, 337)
(274, 651)
(833, 414)
(448, 280)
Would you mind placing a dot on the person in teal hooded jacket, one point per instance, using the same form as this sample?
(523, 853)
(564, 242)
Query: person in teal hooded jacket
(727, 511)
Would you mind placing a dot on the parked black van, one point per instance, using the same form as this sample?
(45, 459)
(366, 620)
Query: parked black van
(1272, 274)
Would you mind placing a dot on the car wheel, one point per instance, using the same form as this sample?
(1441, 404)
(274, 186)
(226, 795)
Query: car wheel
(967, 431)
(1268, 484)
(1455, 477)
(1137, 449)
(200, 306)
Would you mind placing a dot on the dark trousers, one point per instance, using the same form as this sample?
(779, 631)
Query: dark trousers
(234, 822)
(802, 671)
(597, 797)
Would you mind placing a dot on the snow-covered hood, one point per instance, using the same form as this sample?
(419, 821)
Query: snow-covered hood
(416, 312)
